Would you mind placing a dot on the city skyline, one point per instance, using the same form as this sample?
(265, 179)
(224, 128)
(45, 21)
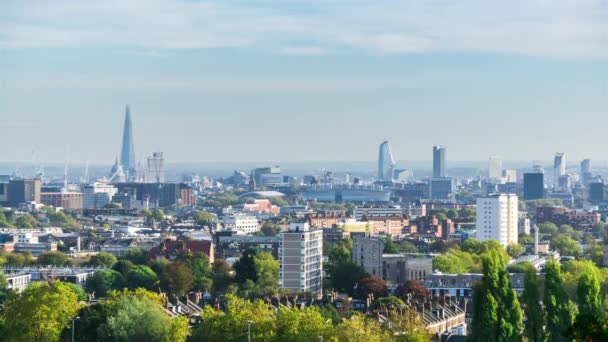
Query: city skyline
(350, 90)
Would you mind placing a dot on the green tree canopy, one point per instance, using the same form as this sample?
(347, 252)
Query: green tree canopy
(142, 276)
(53, 259)
(535, 316)
(103, 281)
(559, 309)
(202, 275)
(176, 279)
(204, 218)
(102, 259)
(40, 313)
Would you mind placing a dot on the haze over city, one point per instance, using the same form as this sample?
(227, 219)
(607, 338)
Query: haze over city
(303, 80)
(303, 170)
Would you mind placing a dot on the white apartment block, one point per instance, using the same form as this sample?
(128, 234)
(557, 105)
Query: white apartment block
(97, 195)
(301, 259)
(243, 224)
(498, 218)
(360, 212)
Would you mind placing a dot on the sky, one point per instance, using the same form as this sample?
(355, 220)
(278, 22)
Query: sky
(310, 80)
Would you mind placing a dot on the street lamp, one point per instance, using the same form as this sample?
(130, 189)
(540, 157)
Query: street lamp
(248, 330)
(320, 338)
(74, 327)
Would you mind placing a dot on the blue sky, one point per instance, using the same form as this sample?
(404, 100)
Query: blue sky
(262, 80)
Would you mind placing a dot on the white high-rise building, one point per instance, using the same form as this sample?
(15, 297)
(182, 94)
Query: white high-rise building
(495, 168)
(97, 195)
(386, 162)
(240, 223)
(509, 176)
(497, 218)
(301, 259)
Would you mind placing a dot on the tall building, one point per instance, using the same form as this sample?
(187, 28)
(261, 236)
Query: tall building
(386, 162)
(495, 168)
(559, 167)
(24, 190)
(127, 154)
(156, 168)
(586, 174)
(498, 218)
(596, 191)
(439, 161)
(301, 259)
(64, 199)
(534, 186)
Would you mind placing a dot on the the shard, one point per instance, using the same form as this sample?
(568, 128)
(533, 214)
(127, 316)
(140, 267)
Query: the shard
(127, 154)
(386, 162)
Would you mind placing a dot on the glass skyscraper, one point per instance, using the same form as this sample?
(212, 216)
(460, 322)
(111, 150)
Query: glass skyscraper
(439, 161)
(127, 155)
(386, 162)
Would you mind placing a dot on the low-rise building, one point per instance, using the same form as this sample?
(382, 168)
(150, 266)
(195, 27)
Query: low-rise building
(244, 224)
(66, 200)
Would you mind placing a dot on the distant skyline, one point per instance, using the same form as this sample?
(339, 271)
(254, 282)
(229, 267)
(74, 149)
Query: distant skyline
(259, 80)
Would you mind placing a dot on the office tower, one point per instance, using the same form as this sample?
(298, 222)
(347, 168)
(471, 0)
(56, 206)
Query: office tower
(273, 171)
(596, 191)
(127, 154)
(156, 168)
(301, 259)
(439, 161)
(586, 171)
(534, 186)
(21, 191)
(442, 188)
(497, 218)
(495, 168)
(386, 162)
(510, 176)
(559, 167)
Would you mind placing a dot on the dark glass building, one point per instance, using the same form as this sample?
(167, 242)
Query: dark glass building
(534, 186)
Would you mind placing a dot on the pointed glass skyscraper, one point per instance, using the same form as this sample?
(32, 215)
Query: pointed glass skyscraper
(127, 154)
(386, 162)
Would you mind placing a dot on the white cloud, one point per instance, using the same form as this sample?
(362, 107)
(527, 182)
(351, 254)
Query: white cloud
(556, 28)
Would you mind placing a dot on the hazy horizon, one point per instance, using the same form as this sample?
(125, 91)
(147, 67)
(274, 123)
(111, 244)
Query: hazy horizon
(297, 80)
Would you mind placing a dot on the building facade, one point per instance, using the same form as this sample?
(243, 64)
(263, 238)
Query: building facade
(66, 200)
(386, 162)
(534, 186)
(301, 259)
(498, 218)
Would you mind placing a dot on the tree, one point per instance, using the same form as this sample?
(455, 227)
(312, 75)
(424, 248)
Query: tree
(176, 279)
(103, 281)
(204, 218)
(123, 267)
(409, 327)
(390, 247)
(301, 325)
(158, 215)
(560, 311)
(371, 285)
(40, 313)
(142, 277)
(134, 316)
(407, 247)
(5, 293)
(138, 256)
(231, 325)
(79, 291)
(496, 313)
(565, 245)
(595, 253)
(53, 259)
(202, 276)
(102, 259)
(588, 325)
(360, 329)
(345, 276)
(26, 221)
(515, 250)
(547, 228)
(267, 271)
(222, 277)
(269, 229)
(535, 316)
(245, 266)
(412, 288)
(456, 261)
